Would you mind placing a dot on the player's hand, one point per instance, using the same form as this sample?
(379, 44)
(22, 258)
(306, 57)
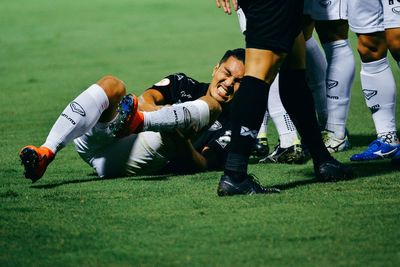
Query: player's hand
(225, 4)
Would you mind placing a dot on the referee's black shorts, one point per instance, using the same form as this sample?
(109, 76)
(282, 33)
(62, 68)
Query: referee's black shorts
(272, 24)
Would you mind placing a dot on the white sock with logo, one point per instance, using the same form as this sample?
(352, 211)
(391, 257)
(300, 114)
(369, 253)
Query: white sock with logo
(191, 114)
(316, 78)
(379, 90)
(339, 79)
(77, 118)
(286, 130)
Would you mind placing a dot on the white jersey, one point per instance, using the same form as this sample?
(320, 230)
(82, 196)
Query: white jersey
(326, 9)
(373, 15)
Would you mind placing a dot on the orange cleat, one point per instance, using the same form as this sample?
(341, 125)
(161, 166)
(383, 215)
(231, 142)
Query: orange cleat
(130, 120)
(35, 161)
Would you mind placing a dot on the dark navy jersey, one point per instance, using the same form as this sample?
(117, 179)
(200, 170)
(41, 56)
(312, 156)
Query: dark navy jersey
(178, 88)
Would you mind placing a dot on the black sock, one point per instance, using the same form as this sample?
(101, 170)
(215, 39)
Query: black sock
(248, 110)
(297, 99)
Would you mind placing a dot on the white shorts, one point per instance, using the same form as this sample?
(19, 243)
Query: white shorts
(137, 154)
(326, 9)
(373, 15)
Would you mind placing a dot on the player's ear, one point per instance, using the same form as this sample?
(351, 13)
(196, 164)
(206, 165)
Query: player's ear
(215, 69)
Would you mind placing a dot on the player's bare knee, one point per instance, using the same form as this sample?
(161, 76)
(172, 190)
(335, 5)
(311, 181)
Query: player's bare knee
(115, 91)
(214, 107)
(113, 87)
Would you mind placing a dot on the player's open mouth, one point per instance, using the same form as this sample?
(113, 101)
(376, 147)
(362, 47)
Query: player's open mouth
(222, 92)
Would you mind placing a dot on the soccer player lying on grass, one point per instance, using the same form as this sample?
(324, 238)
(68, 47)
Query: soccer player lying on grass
(177, 122)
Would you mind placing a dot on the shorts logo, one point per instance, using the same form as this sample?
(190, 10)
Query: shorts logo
(68, 118)
(331, 84)
(325, 3)
(77, 108)
(244, 131)
(369, 93)
(374, 108)
(396, 10)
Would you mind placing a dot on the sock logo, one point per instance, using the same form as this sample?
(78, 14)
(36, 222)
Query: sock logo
(325, 3)
(244, 131)
(332, 97)
(68, 118)
(368, 93)
(77, 108)
(187, 118)
(396, 10)
(374, 108)
(331, 84)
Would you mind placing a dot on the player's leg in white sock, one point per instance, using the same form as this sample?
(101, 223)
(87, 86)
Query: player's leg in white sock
(192, 114)
(379, 89)
(340, 75)
(78, 117)
(286, 130)
(316, 78)
(263, 132)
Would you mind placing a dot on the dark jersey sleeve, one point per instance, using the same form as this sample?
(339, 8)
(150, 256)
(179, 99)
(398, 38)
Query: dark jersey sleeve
(178, 87)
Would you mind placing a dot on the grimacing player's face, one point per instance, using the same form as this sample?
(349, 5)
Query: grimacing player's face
(226, 79)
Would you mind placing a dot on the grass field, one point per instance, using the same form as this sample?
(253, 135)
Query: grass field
(52, 50)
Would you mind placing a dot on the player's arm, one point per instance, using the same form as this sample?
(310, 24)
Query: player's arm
(151, 99)
(187, 158)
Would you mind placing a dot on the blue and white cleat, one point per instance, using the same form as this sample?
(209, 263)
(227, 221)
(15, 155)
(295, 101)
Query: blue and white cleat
(377, 150)
(396, 157)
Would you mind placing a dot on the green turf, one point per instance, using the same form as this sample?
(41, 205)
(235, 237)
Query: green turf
(52, 50)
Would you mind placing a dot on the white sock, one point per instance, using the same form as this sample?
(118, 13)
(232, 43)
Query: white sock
(192, 114)
(379, 90)
(316, 78)
(286, 130)
(263, 132)
(339, 79)
(77, 118)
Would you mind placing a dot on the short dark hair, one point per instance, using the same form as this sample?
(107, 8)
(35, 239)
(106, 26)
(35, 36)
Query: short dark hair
(238, 53)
